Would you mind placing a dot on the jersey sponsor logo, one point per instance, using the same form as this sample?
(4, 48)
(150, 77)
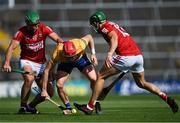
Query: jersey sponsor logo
(35, 46)
(104, 30)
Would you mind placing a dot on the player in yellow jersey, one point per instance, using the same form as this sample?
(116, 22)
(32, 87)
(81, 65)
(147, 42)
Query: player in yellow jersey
(71, 54)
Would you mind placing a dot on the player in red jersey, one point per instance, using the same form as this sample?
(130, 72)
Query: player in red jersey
(31, 39)
(123, 55)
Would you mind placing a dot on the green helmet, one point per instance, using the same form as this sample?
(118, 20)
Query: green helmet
(32, 18)
(97, 17)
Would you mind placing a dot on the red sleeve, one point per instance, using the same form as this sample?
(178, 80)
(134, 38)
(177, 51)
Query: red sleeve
(18, 36)
(48, 30)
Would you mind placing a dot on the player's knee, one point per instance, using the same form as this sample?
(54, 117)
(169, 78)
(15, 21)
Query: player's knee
(29, 79)
(60, 86)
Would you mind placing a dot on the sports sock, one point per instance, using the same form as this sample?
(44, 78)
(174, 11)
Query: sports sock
(90, 105)
(68, 105)
(163, 96)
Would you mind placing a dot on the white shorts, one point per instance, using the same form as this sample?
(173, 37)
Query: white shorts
(38, 68)
(129, 63)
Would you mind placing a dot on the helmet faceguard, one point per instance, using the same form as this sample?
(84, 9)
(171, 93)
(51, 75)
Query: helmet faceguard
(96, 19)
(94, 23)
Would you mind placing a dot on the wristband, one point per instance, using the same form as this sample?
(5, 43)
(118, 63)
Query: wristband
(93, 51)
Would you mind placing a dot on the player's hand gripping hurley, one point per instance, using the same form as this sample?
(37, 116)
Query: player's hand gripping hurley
(65, 111)
(22, 72)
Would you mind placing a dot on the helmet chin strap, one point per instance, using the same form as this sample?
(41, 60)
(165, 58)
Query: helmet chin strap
(31, 30)
(94, 28)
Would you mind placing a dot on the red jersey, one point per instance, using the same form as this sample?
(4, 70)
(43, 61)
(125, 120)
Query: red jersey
(33, 45)
(126, 45)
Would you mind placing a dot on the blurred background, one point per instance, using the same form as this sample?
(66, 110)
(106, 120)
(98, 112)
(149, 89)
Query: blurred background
(154, 24)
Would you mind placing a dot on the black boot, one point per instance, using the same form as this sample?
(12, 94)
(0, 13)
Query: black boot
(173, 105)
(98, 108)
(83, 108)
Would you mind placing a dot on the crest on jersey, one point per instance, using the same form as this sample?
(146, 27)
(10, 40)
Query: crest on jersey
(104, 30)
(40, 35)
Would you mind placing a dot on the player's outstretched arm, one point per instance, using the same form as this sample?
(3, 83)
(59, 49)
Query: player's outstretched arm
(45, 76)
(54, 36)
(112, 47)
(90, 42)
(9, 52)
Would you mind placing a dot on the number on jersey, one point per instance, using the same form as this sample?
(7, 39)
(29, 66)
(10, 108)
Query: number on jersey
(120, 29)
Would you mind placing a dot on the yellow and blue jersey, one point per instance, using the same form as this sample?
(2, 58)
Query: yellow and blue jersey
(59, 56)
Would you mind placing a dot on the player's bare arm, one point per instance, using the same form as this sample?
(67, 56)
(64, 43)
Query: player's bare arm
(113, 45)
(11, 48)
(90, 41)
(49, 67)
(54, 36)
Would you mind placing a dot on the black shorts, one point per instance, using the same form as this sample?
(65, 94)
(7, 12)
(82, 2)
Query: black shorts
(80, 64)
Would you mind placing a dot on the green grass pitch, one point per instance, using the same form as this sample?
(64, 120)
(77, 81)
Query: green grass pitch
(135, 108)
